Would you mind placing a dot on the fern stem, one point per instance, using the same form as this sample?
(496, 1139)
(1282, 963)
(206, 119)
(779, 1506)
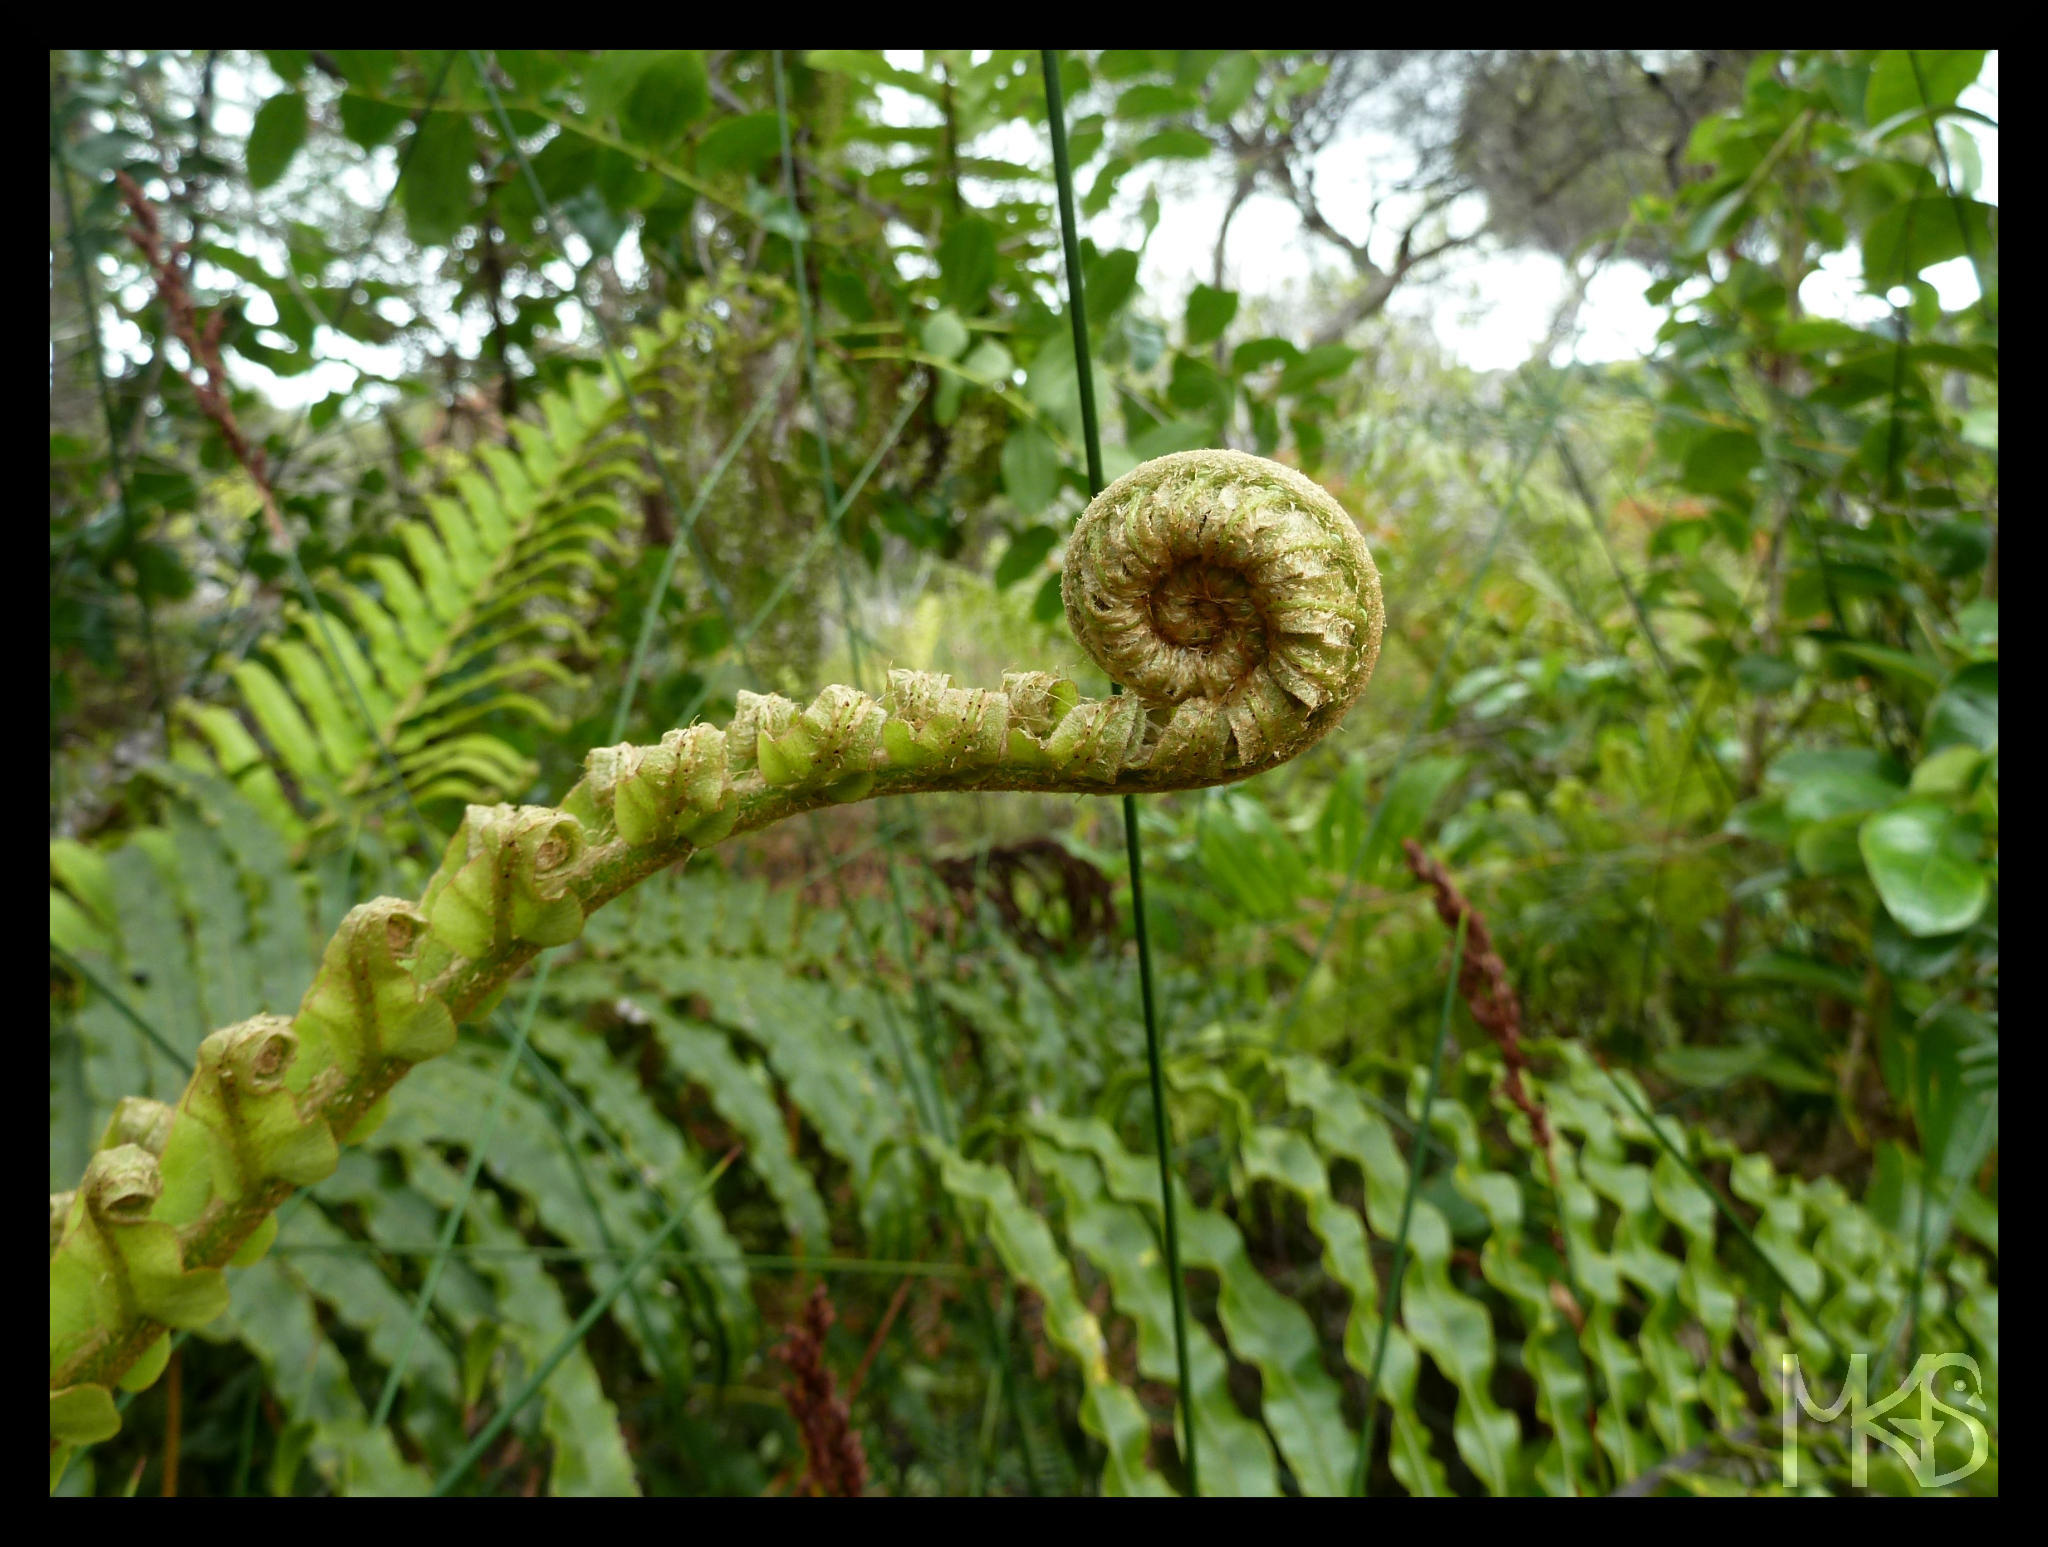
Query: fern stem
(398, 976)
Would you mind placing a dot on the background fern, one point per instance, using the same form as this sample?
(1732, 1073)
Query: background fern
(1573, 1338)
(492, 590)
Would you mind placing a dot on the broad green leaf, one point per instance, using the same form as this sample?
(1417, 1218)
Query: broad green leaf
(1797, 766)
(73, 928)
(1198, 387)
(1026, 552)
(967, 264)
(1720, 462)
(1762, 818)
(366, 67)
(1103, 189)
(1255, 352)
(1966, 711)
(1918, 233)
(83, 869)
(1149, 100)
(1122, 64)
(1174, 435)
(1968, 158)
(1031, 469)
(739, 144)
(1828, 848)
(1173, 145)
(1708, 226)
(944, 335)
(1317, 364)
(1085, 138)
(1049, 605)
(1917, 672)
(1833, 792)
(435, 189)
(1116, 461)
(1112, 280)
(275, 137)
(991, 362)
(671, 93)
(845, 290)
(1901, 955)
(1230, 86)
(1923, 859)
(1209, 313)
(1958, 1118)
(1766, 674)
(1954, 549)
(1897, 79)
(1054, 385)
(1949, 773)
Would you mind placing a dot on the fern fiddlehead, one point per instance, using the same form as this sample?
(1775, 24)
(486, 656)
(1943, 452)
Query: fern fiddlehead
(1232, 599)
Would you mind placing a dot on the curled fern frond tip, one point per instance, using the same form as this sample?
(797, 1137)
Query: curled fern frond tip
(1235, 599)
(1231, 597)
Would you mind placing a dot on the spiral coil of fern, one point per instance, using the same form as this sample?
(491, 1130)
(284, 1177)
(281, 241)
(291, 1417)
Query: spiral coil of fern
(1235, 599)
(1230, 596)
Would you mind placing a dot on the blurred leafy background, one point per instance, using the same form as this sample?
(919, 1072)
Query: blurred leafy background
(1690, 681)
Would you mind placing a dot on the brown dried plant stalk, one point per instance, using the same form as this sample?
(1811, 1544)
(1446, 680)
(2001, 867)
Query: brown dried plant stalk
(835, 1466)
(1483, 983)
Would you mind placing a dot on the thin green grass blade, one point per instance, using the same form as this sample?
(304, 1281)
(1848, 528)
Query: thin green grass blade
(526, 1393)
(1424, 712)
(1134, 855)
(514, 1056)
(127, 1011)
(1416, 1164)
(685, 529)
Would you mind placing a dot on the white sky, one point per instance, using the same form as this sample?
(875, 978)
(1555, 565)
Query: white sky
(1487, 308)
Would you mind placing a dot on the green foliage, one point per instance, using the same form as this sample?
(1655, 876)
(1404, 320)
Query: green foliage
(491, 586)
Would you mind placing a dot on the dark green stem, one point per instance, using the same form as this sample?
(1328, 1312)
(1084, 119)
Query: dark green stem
(1162, 1138)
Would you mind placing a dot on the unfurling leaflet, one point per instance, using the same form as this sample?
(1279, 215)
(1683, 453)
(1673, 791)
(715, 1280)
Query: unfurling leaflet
(1229, 597)
(366, 1006)
(506, 877)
